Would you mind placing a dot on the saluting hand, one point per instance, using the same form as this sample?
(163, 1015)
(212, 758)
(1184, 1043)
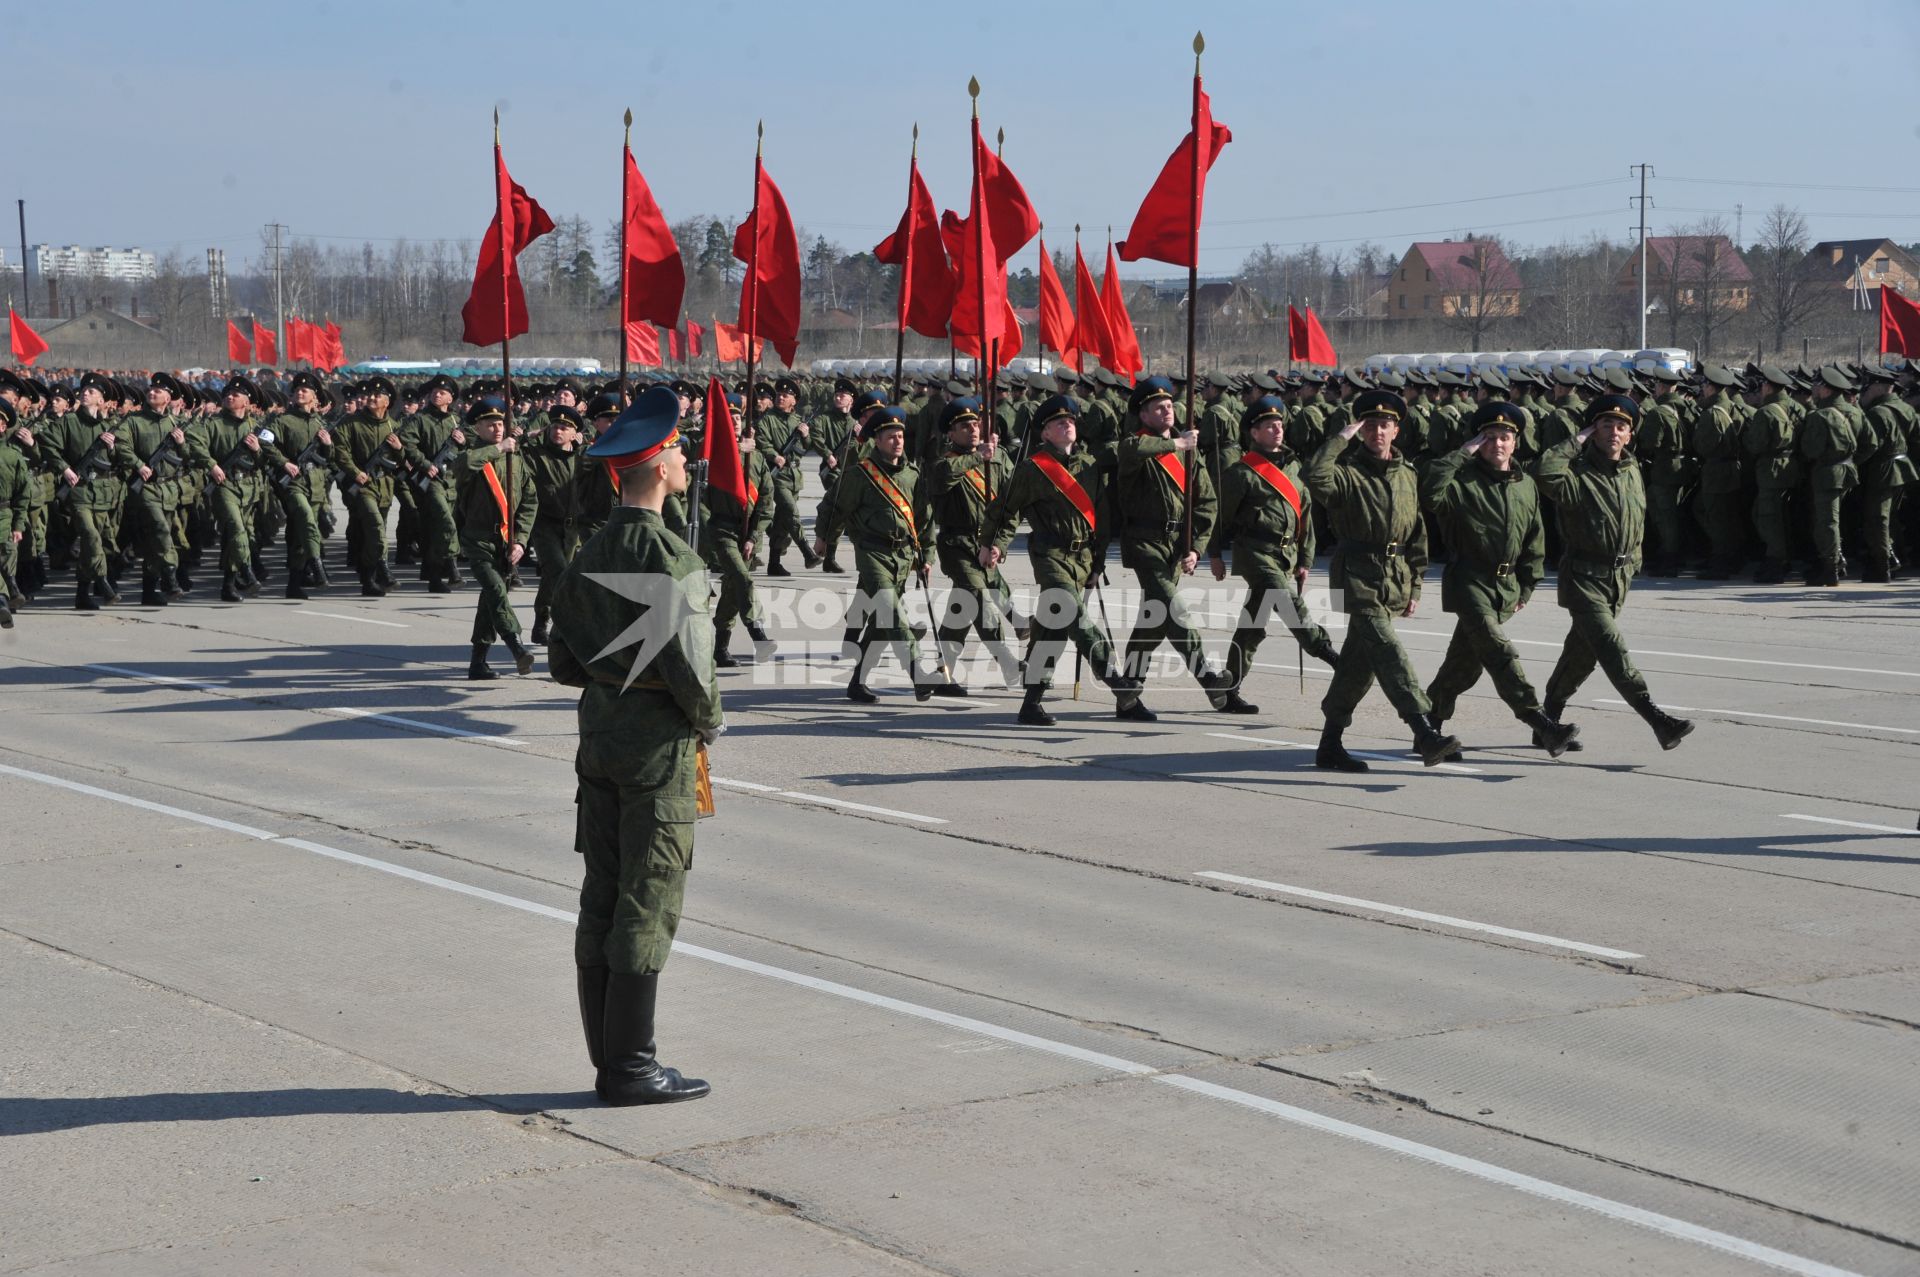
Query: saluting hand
(1472, 446)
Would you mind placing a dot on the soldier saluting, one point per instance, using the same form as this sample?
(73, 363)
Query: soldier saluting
(1372, 498)
(1266, 517)
(646, 711)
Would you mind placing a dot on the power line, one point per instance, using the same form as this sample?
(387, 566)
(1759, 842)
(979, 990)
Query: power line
(1402, 208)
(1796, 186)
(1391, 235)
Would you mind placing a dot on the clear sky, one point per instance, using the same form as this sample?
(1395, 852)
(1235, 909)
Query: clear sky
(190, 124)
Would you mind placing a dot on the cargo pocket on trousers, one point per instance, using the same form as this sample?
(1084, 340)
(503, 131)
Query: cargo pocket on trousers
(672, 844)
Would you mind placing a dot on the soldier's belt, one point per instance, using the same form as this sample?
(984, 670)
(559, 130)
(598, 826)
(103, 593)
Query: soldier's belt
(877, 545)
(1614, 564)
(1155, 531)
(1385, 549)
(1069, 546)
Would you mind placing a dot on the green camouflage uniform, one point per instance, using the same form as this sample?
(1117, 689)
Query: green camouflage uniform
(1602, 509)
(1270, 543)
(888, 548)
(1066, 555)
(955, 490)
(1150, 509)
(479, 522)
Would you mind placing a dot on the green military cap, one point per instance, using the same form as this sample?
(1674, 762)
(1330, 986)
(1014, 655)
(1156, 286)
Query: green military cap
(1390, 381)
(1043, 383)
(1493, 380)
(1056, 407)
(1357, 378)
(486, 409)
(1443, 377)
(1721, 375)
(1264, 381)
(1619, 406)
(1379, 403)
(602, 405)
(1562, 377)
(1148, 389)
(1660, 372)
(1839, 380)
(1873, 372)
(1777, 376)
(1220, 381)
(959, 387)
(1617, 380)
(959, 412)
(868, 400)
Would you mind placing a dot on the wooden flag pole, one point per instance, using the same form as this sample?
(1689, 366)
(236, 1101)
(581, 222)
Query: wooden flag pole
(507, 251)
(906, 269)
(1193, 282)
(753, 278)
(979, 215)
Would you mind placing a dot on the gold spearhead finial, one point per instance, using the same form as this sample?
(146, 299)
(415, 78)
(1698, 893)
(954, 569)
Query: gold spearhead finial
(1199, 44)
(1001, 149)
(915, 153)
(496, 126)
(973, 91)
(759, 138)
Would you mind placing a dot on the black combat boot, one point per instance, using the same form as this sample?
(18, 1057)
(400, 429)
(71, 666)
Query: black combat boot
(477, 669)
(436, 583)
(1218, 685)
(1324, 650)
(777, 568)
(1824, 572)
(83, 599)
(296, 589)
(763, 645)
(1770, 572)
(522, 658)
(832, 564)
(592, 984)
(1554, 737)
(632, 1073)
(383, 577)
(6, 615)
(1667, 729)
(538, 635)
(807, 557)
(723, 658)
(1551, 712)
(370, 588)
(229, 589)
(1433, 745)
(1333, 755)
(1127, 704)
(150, 595)
(857, 689)
(258, 570)
(1032, 713)
(1877, 572)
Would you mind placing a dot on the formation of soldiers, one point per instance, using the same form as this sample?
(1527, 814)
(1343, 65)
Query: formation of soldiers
(1493, 476)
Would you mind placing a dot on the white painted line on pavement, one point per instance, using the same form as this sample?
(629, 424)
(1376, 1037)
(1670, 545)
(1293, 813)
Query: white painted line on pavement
(746, 785)
(1666, 1225)
(416, 723)
(364, 620)
(1850, 824)
(1357, 753)
(130, 801)
(878, 811)
(1782, 718)
(1444, 920)
(166, 680)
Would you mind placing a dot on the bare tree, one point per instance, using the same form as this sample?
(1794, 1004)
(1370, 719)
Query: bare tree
(1786, 289)
(1486, 291)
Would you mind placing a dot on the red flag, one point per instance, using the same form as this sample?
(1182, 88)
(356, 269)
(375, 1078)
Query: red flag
(926, 277)
(266, 347)
(1161, 229)
(336, 353)
(299, 341)
(694, 333)
(1125, 356)
(1056, 316)
(27, 344)
(655, 279)
(1091, 334)
(239, 349)
(496, 308)
(982, 315)
(1899, 325)
(770, 293)
(674, 349)
(643, 344)
(724, 471)
(730, 343)
(1307, 341)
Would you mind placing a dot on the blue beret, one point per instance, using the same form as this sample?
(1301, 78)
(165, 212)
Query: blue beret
(650, 423)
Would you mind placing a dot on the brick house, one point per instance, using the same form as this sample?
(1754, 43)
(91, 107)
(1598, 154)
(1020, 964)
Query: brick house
(1453, 277)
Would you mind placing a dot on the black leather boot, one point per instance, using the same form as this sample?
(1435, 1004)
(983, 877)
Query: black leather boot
(296, 588)
(229, 589)
(1554, 737)
(174, 583)
(1333, 755)
(370, 588)
(1324, 650)
(1433, 745)
(1218, 685)
(1667, 729)
(1032, 713)
(258, 570)
(6, 615)
(83, 599)
(538, 636)
(522, 658)
(150, 595)
(592, 984)
(1551, 712)
(763, 645)
(477, 669)
(633, 1073)
(723, 658)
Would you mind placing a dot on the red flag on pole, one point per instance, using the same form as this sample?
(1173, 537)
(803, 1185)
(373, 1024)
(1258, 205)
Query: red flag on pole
(1307, 341)
(655, 278)
(1056, 315)
(1899, 325)
(724, 472)
(926, 277)
(694, 333)
(299, 341)
(28, 345)
(486, 322)
(1000, 221)
(239, 349)
(675, 349)
(1091, 334)
(266, 347)
(770, 293)
(730, 343)
(1160, 228)
(1125, 356)
(335, 352)
(643, 344)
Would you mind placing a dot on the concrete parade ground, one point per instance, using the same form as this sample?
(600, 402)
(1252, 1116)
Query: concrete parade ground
(286, 974)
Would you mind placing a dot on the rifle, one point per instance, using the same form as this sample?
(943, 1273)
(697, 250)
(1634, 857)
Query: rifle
(168, 455)
(234, 460)
(92, 461)
(696, 481)
(310, 456)
(383, 461)
(422, 480)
